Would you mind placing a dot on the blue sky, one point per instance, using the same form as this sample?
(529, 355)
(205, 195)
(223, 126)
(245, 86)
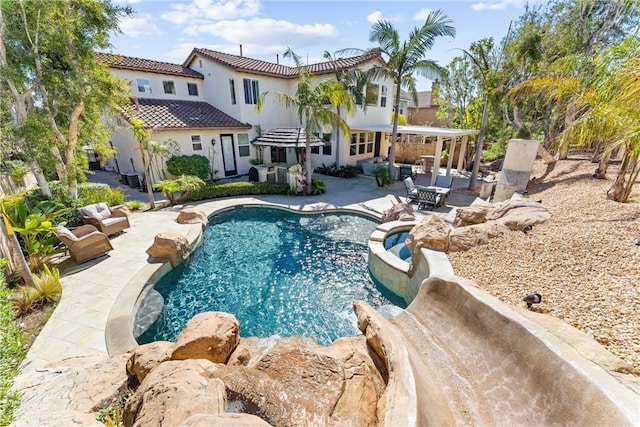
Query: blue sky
(167, 30)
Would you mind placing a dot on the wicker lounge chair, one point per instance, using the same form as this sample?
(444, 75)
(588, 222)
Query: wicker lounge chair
(106, 219)
(84, 243)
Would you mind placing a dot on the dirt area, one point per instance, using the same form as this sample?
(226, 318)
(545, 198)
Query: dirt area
(582, 261)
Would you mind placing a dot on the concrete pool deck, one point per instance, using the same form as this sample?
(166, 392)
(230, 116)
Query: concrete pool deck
(77, 326)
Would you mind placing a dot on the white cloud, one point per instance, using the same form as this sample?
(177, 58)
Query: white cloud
(125, 2)
(422, 14)
(374, 17)
(496, 4)
(265, 31)
(199, 11)
(139, 26)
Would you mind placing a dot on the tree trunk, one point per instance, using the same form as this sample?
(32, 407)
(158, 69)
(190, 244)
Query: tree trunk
(570, 116)
(41, 180)
(621, 187)
(603, 165)
(16, 252)
(338, 140)
(307, 165)
(394, 132)
(473, 184)
(546, 157)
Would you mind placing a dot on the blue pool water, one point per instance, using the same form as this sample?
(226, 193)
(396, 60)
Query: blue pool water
(277, 271)
(395, 243)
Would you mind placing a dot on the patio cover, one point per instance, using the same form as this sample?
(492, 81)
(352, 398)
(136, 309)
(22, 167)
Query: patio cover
(440, 133)
(286, 137)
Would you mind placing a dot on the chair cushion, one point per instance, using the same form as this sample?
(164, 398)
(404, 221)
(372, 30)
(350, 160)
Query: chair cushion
(408, 183)
(90, 211)
(103, 210)
(65, 232)
(113, 220)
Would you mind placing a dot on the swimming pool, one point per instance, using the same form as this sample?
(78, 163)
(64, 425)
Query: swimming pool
(279, 272)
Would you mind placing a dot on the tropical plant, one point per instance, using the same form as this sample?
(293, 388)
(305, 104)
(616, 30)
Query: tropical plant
(383, 176)
(184, 184)
(135, 205)
(317, 186)
(404, 59)
(143, 136)
(310, 102)
(47, 287)
(195, 165)
(17, 169)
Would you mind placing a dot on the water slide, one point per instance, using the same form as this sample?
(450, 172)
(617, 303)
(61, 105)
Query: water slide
(476, 361)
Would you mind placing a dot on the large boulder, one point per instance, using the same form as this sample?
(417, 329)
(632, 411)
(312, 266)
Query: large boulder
(146, 357)
(192, 216)
(297, 382)
(171, 245)
(519, 213)
(70, 392)
(174, 391)
(431, 233)
(399, 212)
(474, 214)
(210, 335)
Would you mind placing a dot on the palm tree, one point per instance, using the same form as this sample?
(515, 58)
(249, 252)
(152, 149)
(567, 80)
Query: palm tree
(607, 106)
(314, 105)
(354, 81)
(404, 59)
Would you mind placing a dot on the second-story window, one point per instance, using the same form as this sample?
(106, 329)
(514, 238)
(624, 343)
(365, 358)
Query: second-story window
(169, 87)
(383, 96)
(196, 143)
(251, 91)
(232, 91)
(372, 94)
(144, 85)
(193, 89)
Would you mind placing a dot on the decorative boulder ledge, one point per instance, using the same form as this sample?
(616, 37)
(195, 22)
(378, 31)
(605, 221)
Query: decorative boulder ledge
(436, 363)
(171, 245)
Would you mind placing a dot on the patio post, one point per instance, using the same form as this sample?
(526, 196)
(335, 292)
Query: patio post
(436, 164)
(463, 150)
(452, 150)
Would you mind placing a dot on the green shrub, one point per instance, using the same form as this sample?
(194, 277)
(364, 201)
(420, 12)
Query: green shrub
(495, 151)
(47, 287)
(184, 184)
(135, 205)
(317, 186)
(195, 165)
(88, 193)
(13, 350)
(383, 176)
(347, 171)
(216, 190)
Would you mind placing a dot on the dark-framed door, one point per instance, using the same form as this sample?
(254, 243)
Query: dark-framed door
(376, 147)
(228, 154)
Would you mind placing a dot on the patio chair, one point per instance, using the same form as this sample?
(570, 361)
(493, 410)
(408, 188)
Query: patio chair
(407, 171)
(428, 198)
(444, 182)
(84, 243)
(412, 191)
(109, 220)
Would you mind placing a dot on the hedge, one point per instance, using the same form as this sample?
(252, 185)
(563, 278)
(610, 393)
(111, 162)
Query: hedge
(215, 190)
(194, 164)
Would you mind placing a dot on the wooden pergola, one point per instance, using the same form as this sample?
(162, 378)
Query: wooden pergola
(442, 135)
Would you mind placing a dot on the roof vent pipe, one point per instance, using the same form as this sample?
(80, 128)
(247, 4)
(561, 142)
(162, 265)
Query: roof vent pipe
(240, 50)
(278, 58)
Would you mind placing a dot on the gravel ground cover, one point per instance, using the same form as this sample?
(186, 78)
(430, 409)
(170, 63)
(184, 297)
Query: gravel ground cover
(582, 261)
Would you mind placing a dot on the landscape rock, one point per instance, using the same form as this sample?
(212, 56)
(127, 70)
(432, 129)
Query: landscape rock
(465, 238)
(70, 392)
(519, 213)
(474, 214)
(399, 212)
(431, 233)
(146, 357)
(224, 420)
(210, 335)
(174, 391)
(171, 245)
(192, 216)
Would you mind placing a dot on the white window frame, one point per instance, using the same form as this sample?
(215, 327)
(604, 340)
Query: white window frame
(189, 86)
(173, 86)
(374, 88)
(232, 91)
(196, 142)
(251, 91)
(383, 95)
(142, 86)
(243, 142)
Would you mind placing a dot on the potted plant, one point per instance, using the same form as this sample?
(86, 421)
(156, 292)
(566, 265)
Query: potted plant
(383, 176)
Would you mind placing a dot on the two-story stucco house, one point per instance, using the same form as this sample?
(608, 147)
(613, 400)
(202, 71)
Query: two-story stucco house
(206, 106)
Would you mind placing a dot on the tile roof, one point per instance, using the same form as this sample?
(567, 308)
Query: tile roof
(140, 64)
(257, 66)
(175, 114)
(424, 98)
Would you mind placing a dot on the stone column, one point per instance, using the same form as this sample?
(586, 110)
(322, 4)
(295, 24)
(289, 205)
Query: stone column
(516, 168)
